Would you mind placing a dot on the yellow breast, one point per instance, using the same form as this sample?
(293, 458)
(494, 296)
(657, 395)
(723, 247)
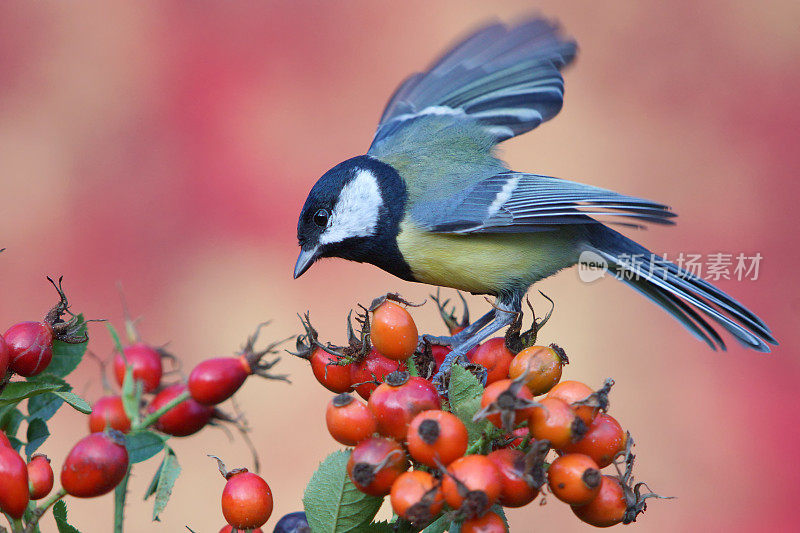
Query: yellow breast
(486, 263)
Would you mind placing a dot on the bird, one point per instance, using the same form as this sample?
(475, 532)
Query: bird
(432, 202)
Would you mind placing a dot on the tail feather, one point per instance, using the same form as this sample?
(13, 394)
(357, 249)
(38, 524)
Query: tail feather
(679, 292)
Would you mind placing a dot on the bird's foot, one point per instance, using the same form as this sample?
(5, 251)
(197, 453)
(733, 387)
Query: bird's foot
(442, 376)
(435, 340)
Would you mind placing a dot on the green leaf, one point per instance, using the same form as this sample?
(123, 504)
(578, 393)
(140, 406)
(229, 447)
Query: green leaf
(115, 337)
(10, 419)
(143, 445)
(332, 503)
(379, 527)
(440, 525)
(75, 401)
(412, 367)
(130, 403)
(169, 472)
(36, 435)
(499, 510)
(44, 406)
(60, 514)
(67, 357)
(151, 489)
(17, 391)
(465, 400)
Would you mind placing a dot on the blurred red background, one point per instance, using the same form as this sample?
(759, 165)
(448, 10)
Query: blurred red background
(169, 146)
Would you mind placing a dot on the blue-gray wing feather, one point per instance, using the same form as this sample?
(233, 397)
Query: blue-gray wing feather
(517, 202)
(507, 79)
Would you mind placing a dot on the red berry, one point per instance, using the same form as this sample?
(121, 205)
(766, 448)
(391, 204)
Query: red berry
(40, 477)
(508, 398)
(349, 421)
(602, 442)
(575, 391)
(375, 464)
(437, 436)
(557, 422)
(438, 353)
(246, 500)
(215, 380)
(472, 485)
(393, 332)
(95, 465)
(510, 464)
(186, 418)
(229, 529)
(396, 402)
(5, 356)
(574, 478)
(109, 412)
(146, 363)
(543, 365)
(608, 508)
(416, 497)
(374, 367)
(488, 523)
(30, 346)
(332, 376)
(494, 357)
(4, 442)
(14, 495)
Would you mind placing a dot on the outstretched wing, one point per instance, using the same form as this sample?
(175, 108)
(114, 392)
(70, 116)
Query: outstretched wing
(506, 79)
(516, 202)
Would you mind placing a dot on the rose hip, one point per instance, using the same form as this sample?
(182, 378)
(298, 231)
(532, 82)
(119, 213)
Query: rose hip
(40, 477)
(396, 402)
(186, 418)
(108, 412)
(146, 363)
(95, 465)
(14, 492)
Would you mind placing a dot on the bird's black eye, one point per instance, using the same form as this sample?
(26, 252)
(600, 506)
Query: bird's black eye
(321, 217)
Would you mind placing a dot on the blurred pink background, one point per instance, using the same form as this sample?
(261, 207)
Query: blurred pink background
(169, 146)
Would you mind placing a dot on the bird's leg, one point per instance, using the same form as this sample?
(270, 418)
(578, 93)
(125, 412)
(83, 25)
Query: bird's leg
(459, 337)
(502, 316)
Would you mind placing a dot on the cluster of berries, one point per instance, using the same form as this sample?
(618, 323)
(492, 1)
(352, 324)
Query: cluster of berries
(126, 427)
(436, 456)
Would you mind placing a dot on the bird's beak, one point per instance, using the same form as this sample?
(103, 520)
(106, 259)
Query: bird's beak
(305, 260)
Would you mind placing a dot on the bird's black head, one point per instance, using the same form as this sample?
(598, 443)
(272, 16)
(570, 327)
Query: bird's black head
(354, 212)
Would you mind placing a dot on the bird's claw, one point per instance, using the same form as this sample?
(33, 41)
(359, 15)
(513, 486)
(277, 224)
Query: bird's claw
(439, 379)
(435, 340)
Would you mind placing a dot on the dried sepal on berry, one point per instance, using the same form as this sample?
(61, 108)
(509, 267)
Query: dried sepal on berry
(254, 358)
(635, 498)
(512, 404)
(454, 324)
(516, 339)
(68, 331)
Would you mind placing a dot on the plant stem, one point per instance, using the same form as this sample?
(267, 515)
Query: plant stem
(5, 380)
(119, 502)
(16, 526)
(152, 418)
(42, 509)
(477, 445)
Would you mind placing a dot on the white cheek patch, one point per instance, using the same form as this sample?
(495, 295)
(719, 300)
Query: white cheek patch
(356, 211)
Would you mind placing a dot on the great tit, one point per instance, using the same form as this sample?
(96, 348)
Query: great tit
(431, 202)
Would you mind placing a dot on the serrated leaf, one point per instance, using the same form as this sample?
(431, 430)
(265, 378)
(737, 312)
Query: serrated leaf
(411, 367)
(379, 527)
(67, 357)
(499, 510)
(17, 391)
(332, 503)
(60, 514)
(10, 419)
(75, 401)
(44, 406)
(169, 472)
(465, 400)
(36, 435)
(151, 489)
(143, 445)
